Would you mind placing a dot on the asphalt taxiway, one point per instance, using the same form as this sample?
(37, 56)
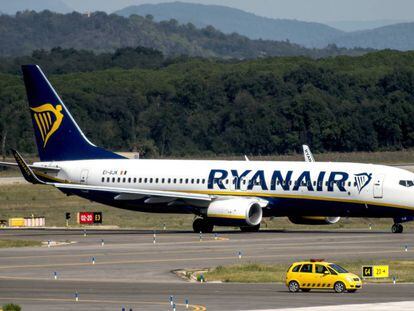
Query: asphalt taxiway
(131, 271)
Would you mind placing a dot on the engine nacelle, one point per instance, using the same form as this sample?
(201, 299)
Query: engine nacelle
(314, 220)
(237, 212)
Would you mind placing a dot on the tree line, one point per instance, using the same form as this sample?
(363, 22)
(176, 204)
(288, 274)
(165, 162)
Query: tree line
(193, 106)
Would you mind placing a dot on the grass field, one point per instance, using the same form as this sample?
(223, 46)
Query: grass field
(403, 270)
(19, 243)
(27, 200)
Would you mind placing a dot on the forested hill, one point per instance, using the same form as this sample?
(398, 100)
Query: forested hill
(309, 34)
(28, 31)
(203, 106)
(231, 20)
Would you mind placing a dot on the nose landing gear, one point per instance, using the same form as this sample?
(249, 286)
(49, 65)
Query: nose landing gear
(397, 228)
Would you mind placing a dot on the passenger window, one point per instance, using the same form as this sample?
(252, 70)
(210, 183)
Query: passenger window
(198, 181)
(163, 180)
(156, 180)
(186, 180)
(123, 179)
(320, 269)
(145, 180)
(296, 268)
(113, 179)
(129, 179)
(192, 181)
(140, 180)
(203, 181)
(103, 179)
(119, 179)
(306, 268)
(181, 180)
(108, 179)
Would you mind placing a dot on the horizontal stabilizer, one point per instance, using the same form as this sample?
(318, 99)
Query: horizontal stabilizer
(33, 167)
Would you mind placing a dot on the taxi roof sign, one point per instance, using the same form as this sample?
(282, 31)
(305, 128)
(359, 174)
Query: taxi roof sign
(317, 260)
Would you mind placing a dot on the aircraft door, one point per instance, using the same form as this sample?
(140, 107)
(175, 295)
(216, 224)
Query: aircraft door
(378, 186)
(84, 176)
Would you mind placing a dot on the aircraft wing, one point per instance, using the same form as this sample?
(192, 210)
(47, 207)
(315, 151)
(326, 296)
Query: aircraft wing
(35, 167)
(131, 194)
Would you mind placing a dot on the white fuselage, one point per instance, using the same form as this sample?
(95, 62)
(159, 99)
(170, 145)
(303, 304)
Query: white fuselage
(363, 184)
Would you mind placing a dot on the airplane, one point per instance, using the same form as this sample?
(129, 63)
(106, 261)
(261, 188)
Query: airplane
(218, 193)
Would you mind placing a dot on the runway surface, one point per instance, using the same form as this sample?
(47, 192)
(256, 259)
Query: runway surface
(131, 271)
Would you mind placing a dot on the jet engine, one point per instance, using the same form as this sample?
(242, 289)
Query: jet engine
(314, 220)
(235, 212)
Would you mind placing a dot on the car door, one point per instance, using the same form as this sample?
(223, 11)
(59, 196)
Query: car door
(306, 277)
(323, 276)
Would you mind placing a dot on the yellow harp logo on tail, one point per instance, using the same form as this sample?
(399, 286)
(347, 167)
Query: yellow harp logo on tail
(48, 120)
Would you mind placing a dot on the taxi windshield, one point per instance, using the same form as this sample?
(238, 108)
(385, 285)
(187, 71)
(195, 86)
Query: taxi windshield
(337, 268)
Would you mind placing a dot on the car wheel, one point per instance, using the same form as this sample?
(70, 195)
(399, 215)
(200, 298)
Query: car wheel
(306, 290)
(293, 286)
(352, 290)
(339, 287)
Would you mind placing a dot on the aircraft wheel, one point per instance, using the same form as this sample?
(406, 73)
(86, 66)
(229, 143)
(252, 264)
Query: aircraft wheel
(202, 225)
(250, 229)
(397, 228)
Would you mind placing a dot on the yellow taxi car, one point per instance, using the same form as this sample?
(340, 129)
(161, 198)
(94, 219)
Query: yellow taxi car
(318, 274)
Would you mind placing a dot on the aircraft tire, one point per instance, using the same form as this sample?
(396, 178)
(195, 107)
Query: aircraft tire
(202, 225)
(250, 229)
(397, 228)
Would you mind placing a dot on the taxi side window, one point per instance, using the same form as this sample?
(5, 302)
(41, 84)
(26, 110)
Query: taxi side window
(320, 269)
(332, 271)
(306, 268)
(296, 268)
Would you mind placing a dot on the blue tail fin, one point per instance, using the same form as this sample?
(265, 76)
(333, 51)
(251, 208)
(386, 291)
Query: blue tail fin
(58, 137)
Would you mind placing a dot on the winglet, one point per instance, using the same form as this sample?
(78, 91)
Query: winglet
(307, 154)
(25, 169)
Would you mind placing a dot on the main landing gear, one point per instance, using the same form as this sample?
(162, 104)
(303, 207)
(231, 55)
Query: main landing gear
(250, 229)
(202, 225)
(397, 228)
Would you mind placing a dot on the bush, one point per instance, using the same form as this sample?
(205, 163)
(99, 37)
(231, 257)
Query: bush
(11, 307)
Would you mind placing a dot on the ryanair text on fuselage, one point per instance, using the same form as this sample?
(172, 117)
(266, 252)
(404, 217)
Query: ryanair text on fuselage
(324, 181)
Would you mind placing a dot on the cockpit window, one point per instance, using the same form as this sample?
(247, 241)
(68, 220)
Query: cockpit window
(407, 183)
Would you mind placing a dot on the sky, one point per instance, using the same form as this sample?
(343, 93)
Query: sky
(307, 10)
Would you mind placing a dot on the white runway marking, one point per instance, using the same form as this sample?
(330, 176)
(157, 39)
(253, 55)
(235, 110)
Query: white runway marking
(400, 306)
